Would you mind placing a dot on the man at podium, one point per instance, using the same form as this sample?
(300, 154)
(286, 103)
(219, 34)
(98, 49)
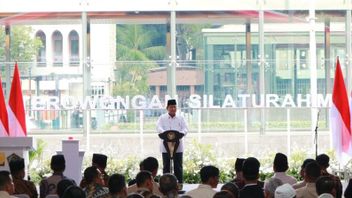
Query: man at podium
(171, 121)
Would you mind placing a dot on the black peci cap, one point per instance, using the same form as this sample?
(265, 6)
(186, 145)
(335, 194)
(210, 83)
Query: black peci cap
(100, 160)
(58, 160)
(16, 165)
(171, 102)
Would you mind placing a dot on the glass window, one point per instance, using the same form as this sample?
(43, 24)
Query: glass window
(41, 55)
(57, 48)
(74, 48)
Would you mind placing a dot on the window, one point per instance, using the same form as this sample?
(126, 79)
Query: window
(57, 48)
(41, 54)
(74, 48)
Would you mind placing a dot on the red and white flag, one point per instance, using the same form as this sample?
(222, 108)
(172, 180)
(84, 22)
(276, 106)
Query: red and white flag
(17, 116)
(4, 121)
(340, 117)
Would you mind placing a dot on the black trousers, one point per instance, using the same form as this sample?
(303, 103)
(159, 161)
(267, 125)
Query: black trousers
(178, 167)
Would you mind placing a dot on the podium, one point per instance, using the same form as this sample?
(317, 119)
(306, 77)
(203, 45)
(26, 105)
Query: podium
(73, 158)
(171, 141)
(15, 145)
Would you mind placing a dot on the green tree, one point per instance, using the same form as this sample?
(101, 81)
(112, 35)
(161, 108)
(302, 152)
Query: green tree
(136, 54)
(23, 47)
(189, 36)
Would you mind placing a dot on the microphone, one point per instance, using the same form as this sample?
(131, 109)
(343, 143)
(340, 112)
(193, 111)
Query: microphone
(316, 134)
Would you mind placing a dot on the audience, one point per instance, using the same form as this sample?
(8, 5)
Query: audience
(323, 161)
(312, 173)
(209, 176)
(149, 164)
(168, 186)
(239, 180)
(231, 188)
(301, 173)
(62, 186)
(95, 183)
(251, 174)
(99, 161)
(317, 181)
(6, 186)
(144, 182)
(21, 186)
(271, 186)
(325, 186)
(117, 186)
(280, 167)
(48, 185)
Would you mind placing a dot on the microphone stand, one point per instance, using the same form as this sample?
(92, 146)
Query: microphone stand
(316, 135)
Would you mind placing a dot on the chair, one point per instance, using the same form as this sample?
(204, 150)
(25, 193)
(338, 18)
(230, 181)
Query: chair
(21, 196)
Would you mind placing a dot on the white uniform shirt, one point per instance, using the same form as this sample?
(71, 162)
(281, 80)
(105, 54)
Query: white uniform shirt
(203, 191)
(166, 123)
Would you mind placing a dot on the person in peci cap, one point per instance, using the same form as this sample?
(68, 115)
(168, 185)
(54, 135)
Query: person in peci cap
(171, 121)
(48, 186)
(251, 188)
(21, 186)
(99, 161)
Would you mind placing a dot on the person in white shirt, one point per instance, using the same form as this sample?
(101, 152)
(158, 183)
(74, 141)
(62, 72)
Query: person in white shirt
(171, 121)
(210, 178)
(6, 185)
(280, 167)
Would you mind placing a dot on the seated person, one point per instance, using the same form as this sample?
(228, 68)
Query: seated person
(325, 186)
(48, 186)
(301, 173)
(280, 167)
(6, 186)
(312, 173)
(168, 185)
(251, 188)
(144, 182)
(323, 161)
(21, 186)
(239, 180)
(271, 186)
(94, 181)
(99, 161)
(149, 164)
(63, 185)
(117, 186)
(209, 176)
(232, 188)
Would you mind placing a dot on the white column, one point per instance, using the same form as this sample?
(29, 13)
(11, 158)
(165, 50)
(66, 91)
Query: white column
(65, 48)
(171, 69)
(261, 63)
(313, 68)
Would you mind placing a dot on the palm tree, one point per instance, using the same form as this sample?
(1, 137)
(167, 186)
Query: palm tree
(136, 54)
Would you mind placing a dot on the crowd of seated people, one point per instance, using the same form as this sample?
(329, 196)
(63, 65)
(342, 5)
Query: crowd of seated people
(96, 183)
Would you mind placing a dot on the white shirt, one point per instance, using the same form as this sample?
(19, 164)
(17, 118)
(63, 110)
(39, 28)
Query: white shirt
(286, 179)
(203, 191)
(166, 123)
